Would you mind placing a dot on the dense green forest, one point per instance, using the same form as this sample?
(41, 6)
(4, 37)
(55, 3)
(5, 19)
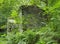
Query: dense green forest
(29, 21)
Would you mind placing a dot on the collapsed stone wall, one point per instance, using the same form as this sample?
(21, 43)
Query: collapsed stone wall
(33, 17)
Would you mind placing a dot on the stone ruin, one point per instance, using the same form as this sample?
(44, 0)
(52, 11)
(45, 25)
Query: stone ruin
(33, 17)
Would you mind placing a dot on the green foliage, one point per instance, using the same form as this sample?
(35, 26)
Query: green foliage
(48, 34)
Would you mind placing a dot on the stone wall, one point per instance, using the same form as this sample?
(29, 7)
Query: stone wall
(33, 17)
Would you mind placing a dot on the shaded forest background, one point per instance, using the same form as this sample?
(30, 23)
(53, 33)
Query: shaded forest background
(29, 21)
